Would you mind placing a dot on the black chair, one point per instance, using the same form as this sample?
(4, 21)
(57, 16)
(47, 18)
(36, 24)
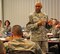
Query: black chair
(20, 52)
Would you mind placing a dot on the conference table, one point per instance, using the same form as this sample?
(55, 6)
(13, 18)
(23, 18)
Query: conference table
(54, 45)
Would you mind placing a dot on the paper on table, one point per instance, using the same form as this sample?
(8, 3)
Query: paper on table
(49, 33)
(2, 39)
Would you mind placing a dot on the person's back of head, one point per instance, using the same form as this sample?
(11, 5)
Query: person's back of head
(17, 30)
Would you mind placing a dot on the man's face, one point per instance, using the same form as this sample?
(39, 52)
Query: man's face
(54, 22)
(38, 8)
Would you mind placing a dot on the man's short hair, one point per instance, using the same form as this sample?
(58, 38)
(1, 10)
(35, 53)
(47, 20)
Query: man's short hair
(38, 4)
(17, 29)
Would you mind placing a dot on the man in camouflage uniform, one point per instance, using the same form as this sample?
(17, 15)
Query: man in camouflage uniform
(36, 25)
(19, 43)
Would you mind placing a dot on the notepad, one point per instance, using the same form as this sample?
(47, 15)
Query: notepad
(2, 38)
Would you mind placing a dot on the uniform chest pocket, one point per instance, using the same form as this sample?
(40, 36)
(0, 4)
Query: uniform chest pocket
(35, 19)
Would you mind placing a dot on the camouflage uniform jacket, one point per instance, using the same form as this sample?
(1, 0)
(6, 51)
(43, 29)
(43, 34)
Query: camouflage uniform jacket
(23, 44)
(38, 33)
(55, 31)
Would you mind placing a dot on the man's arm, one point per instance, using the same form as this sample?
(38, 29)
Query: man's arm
(31, 25)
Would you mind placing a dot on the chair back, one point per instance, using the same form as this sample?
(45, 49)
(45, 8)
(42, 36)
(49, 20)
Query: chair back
(20, 52)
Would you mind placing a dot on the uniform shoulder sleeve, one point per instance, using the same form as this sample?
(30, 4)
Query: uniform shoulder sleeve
(31, 17)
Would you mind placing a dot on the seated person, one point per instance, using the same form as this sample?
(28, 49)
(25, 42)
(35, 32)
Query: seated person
(1, 29)
(2, 49)
(55, 29)
(7, 28)
(17, 42)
